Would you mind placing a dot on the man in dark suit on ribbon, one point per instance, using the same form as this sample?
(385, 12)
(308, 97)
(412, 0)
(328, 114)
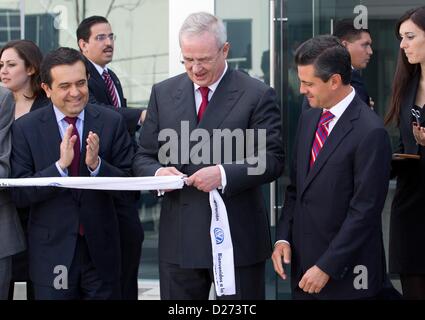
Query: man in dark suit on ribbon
(74, 247)
(208, 98)
(96, 43)
(330, 229)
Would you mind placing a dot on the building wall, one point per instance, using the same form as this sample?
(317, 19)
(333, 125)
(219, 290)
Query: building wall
(258, 12)
(141, 48)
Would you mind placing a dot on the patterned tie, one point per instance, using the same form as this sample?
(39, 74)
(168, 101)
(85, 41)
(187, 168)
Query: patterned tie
(204, 93)
(111, 88)
(73, 169)
(322, 133)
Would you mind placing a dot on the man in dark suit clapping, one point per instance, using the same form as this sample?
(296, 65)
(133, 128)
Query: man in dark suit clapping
(73, 236)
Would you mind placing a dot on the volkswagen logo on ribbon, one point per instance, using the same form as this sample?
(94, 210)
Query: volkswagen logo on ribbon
(219, 235)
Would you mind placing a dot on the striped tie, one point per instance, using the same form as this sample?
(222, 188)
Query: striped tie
(322, 133)
(111, 88)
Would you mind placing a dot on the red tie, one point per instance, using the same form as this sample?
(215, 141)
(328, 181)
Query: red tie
(73, 169)
(322, 133)
(204, 93)
(111, 88)
(75, 164)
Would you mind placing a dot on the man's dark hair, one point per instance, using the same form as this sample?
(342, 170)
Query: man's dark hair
(58, 57)
(345, 30)
(83, 30)
(327, 55)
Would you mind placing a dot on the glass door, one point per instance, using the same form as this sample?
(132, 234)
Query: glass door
(293, 22)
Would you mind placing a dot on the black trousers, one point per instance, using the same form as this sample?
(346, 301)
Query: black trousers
(131, 238)
(83, 280)
(413, 286)
(178, 283)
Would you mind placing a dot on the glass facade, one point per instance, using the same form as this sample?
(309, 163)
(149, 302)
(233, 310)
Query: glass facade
(141, 59)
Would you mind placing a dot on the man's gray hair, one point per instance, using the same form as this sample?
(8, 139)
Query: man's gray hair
(200, 22)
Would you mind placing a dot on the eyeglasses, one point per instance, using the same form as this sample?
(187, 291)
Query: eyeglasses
(103, 37)
(190, 62)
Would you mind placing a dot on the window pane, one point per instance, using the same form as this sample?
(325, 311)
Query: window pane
(3, 36)
(14, 20)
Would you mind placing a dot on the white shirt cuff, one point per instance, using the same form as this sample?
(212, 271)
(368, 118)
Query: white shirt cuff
(160, 192)
(96, 171)
(63, 173)
(223, 177)
(281, 241)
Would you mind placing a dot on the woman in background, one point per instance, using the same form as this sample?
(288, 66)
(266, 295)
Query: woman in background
(12, 238)
(407, 225)
(20, 72)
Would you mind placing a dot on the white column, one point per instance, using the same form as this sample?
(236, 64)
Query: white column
(22, 17)
(178, 12)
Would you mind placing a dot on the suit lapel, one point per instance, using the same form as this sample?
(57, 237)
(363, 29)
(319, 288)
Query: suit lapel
(307, 134)
(409, 101)
(98, 81)
(184, 104)
(220, 105)
(91, 123)
(53, 138)
(341, 129)
(184, 111)
(117, 84)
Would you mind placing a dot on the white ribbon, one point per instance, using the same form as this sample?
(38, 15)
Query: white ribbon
(99, 183)
(221, 240)
(222, 248)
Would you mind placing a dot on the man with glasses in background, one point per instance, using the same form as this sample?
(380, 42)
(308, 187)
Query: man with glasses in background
(210, 96)
(96, 42)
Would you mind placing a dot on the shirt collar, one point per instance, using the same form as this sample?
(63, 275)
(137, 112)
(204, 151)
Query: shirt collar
(60, 116)
(338, 109)
(214, 86)
(99, 68)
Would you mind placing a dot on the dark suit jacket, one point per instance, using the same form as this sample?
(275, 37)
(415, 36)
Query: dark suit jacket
(332, 212)
(357, 83)
(40, 101)
(55, 213)
(239, 102)
(99, 95)
(407, 236)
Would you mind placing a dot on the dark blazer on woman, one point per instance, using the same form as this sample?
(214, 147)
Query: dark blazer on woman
(407, 225)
